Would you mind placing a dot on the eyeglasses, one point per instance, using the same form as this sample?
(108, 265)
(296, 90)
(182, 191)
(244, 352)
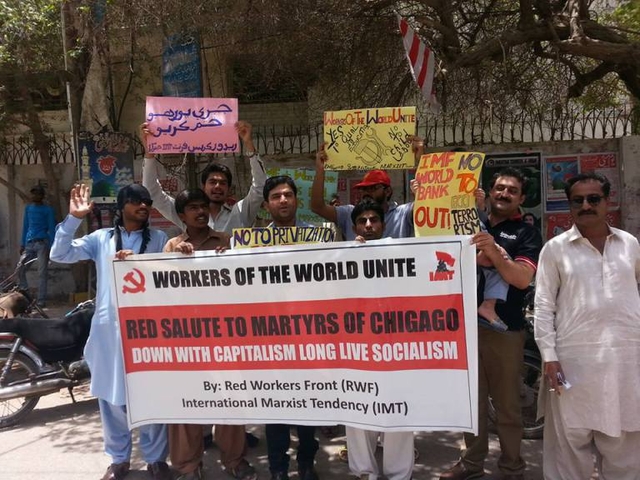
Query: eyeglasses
(593, 200)
(147, 201)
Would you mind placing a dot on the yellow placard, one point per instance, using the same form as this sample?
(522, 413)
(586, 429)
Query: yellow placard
(370, 138)
(445, 202)
(271, 236)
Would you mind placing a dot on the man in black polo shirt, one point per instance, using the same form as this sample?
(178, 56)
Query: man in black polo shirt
(500, 354)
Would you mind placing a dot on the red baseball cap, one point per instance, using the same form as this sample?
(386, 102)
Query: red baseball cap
(374, 177)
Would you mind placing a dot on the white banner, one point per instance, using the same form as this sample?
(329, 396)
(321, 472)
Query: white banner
(380, 336)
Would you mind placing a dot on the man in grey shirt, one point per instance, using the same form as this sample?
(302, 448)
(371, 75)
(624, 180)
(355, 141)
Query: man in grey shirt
(216, 182)
(376, 185)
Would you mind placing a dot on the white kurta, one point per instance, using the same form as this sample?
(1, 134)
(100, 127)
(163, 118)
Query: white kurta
(587, 317)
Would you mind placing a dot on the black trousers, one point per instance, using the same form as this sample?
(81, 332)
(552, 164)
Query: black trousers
(278, 441)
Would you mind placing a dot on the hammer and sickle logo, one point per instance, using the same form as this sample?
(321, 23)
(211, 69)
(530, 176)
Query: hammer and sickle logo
(135, 282)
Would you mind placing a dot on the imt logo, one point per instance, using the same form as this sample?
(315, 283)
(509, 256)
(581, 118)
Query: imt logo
(443, 273)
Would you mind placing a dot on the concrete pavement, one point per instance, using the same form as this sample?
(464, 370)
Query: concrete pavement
(60, 440)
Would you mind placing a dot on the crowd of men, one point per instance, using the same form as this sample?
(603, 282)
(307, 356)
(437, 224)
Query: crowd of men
(587, 323)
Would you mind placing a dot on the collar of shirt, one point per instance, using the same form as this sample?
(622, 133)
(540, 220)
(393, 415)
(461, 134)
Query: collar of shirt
(574, 233)
(184, 237)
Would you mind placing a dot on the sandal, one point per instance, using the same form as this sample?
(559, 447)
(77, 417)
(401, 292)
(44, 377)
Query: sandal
(243, 471)
(497, 324)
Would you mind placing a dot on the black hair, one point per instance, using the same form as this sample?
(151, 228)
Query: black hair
(514, 173)
(364, 206)
(118, 223)
(273, 182)
(190, 195)
(585, 177)
(215, 168)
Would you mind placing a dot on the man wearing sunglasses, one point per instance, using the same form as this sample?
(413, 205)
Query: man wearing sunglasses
(587, 325)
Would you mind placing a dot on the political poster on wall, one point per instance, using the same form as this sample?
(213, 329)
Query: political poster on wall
(192, 125)
(370, 138)
(106, 164)
(181, 69)
(561, 168)
(355, 334)
(445, 203)
(529, 164)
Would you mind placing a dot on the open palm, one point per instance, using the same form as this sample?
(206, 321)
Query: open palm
(80, 203)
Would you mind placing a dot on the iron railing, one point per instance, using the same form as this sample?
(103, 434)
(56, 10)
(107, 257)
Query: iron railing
(464, 128)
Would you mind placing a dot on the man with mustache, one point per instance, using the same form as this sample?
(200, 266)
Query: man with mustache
(587, 325)
(500, 353)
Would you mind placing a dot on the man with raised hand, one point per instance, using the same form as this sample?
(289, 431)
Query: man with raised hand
(376, 186)
(216, 181)
(103, 352)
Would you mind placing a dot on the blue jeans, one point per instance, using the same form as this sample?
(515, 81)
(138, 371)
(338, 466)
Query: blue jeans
(39, 249)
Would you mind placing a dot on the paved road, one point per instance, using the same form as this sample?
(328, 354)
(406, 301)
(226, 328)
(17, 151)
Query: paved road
(60, 440)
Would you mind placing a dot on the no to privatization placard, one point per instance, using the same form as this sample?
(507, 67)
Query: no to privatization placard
(379, 335)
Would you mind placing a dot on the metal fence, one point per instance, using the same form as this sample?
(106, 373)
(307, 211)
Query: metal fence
(465, 128)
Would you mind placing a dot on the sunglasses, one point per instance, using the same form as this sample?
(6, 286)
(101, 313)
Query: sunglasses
(139, 201)
(593, 200)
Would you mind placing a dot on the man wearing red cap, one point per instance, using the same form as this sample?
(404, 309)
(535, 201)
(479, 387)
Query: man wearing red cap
(375, 185)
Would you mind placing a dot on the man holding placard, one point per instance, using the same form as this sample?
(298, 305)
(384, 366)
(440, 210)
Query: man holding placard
(376, 185)
(216, 182)
(500, 353)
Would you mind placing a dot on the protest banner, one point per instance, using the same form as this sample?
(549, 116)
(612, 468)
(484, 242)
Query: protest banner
(370, 138)
(273, 236)
(445, 202)
(192, 125)
(381, 335)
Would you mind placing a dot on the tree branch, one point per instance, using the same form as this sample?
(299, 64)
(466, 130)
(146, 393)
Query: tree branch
(583, 80)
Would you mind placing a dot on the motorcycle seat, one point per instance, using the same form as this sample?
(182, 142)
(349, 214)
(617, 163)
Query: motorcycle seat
(56, 339)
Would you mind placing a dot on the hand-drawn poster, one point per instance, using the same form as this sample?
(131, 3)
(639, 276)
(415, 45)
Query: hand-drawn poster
(374, 138)
(192, 125)
(106, 164)
(304, 179)
(181, 71)
(275, 236)
(445, 200)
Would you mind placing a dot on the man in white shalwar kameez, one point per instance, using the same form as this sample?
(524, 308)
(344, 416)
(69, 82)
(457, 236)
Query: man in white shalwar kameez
(587, 325)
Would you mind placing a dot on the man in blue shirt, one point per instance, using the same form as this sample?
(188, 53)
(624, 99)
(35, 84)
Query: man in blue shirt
(103, 352)
(38, 230)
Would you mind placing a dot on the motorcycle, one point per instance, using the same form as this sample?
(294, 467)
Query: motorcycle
(16, 301)
(531, 376)
(40, 356)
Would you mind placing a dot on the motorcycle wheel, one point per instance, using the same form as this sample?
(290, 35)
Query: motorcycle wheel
(14, 410)
(530, 383)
